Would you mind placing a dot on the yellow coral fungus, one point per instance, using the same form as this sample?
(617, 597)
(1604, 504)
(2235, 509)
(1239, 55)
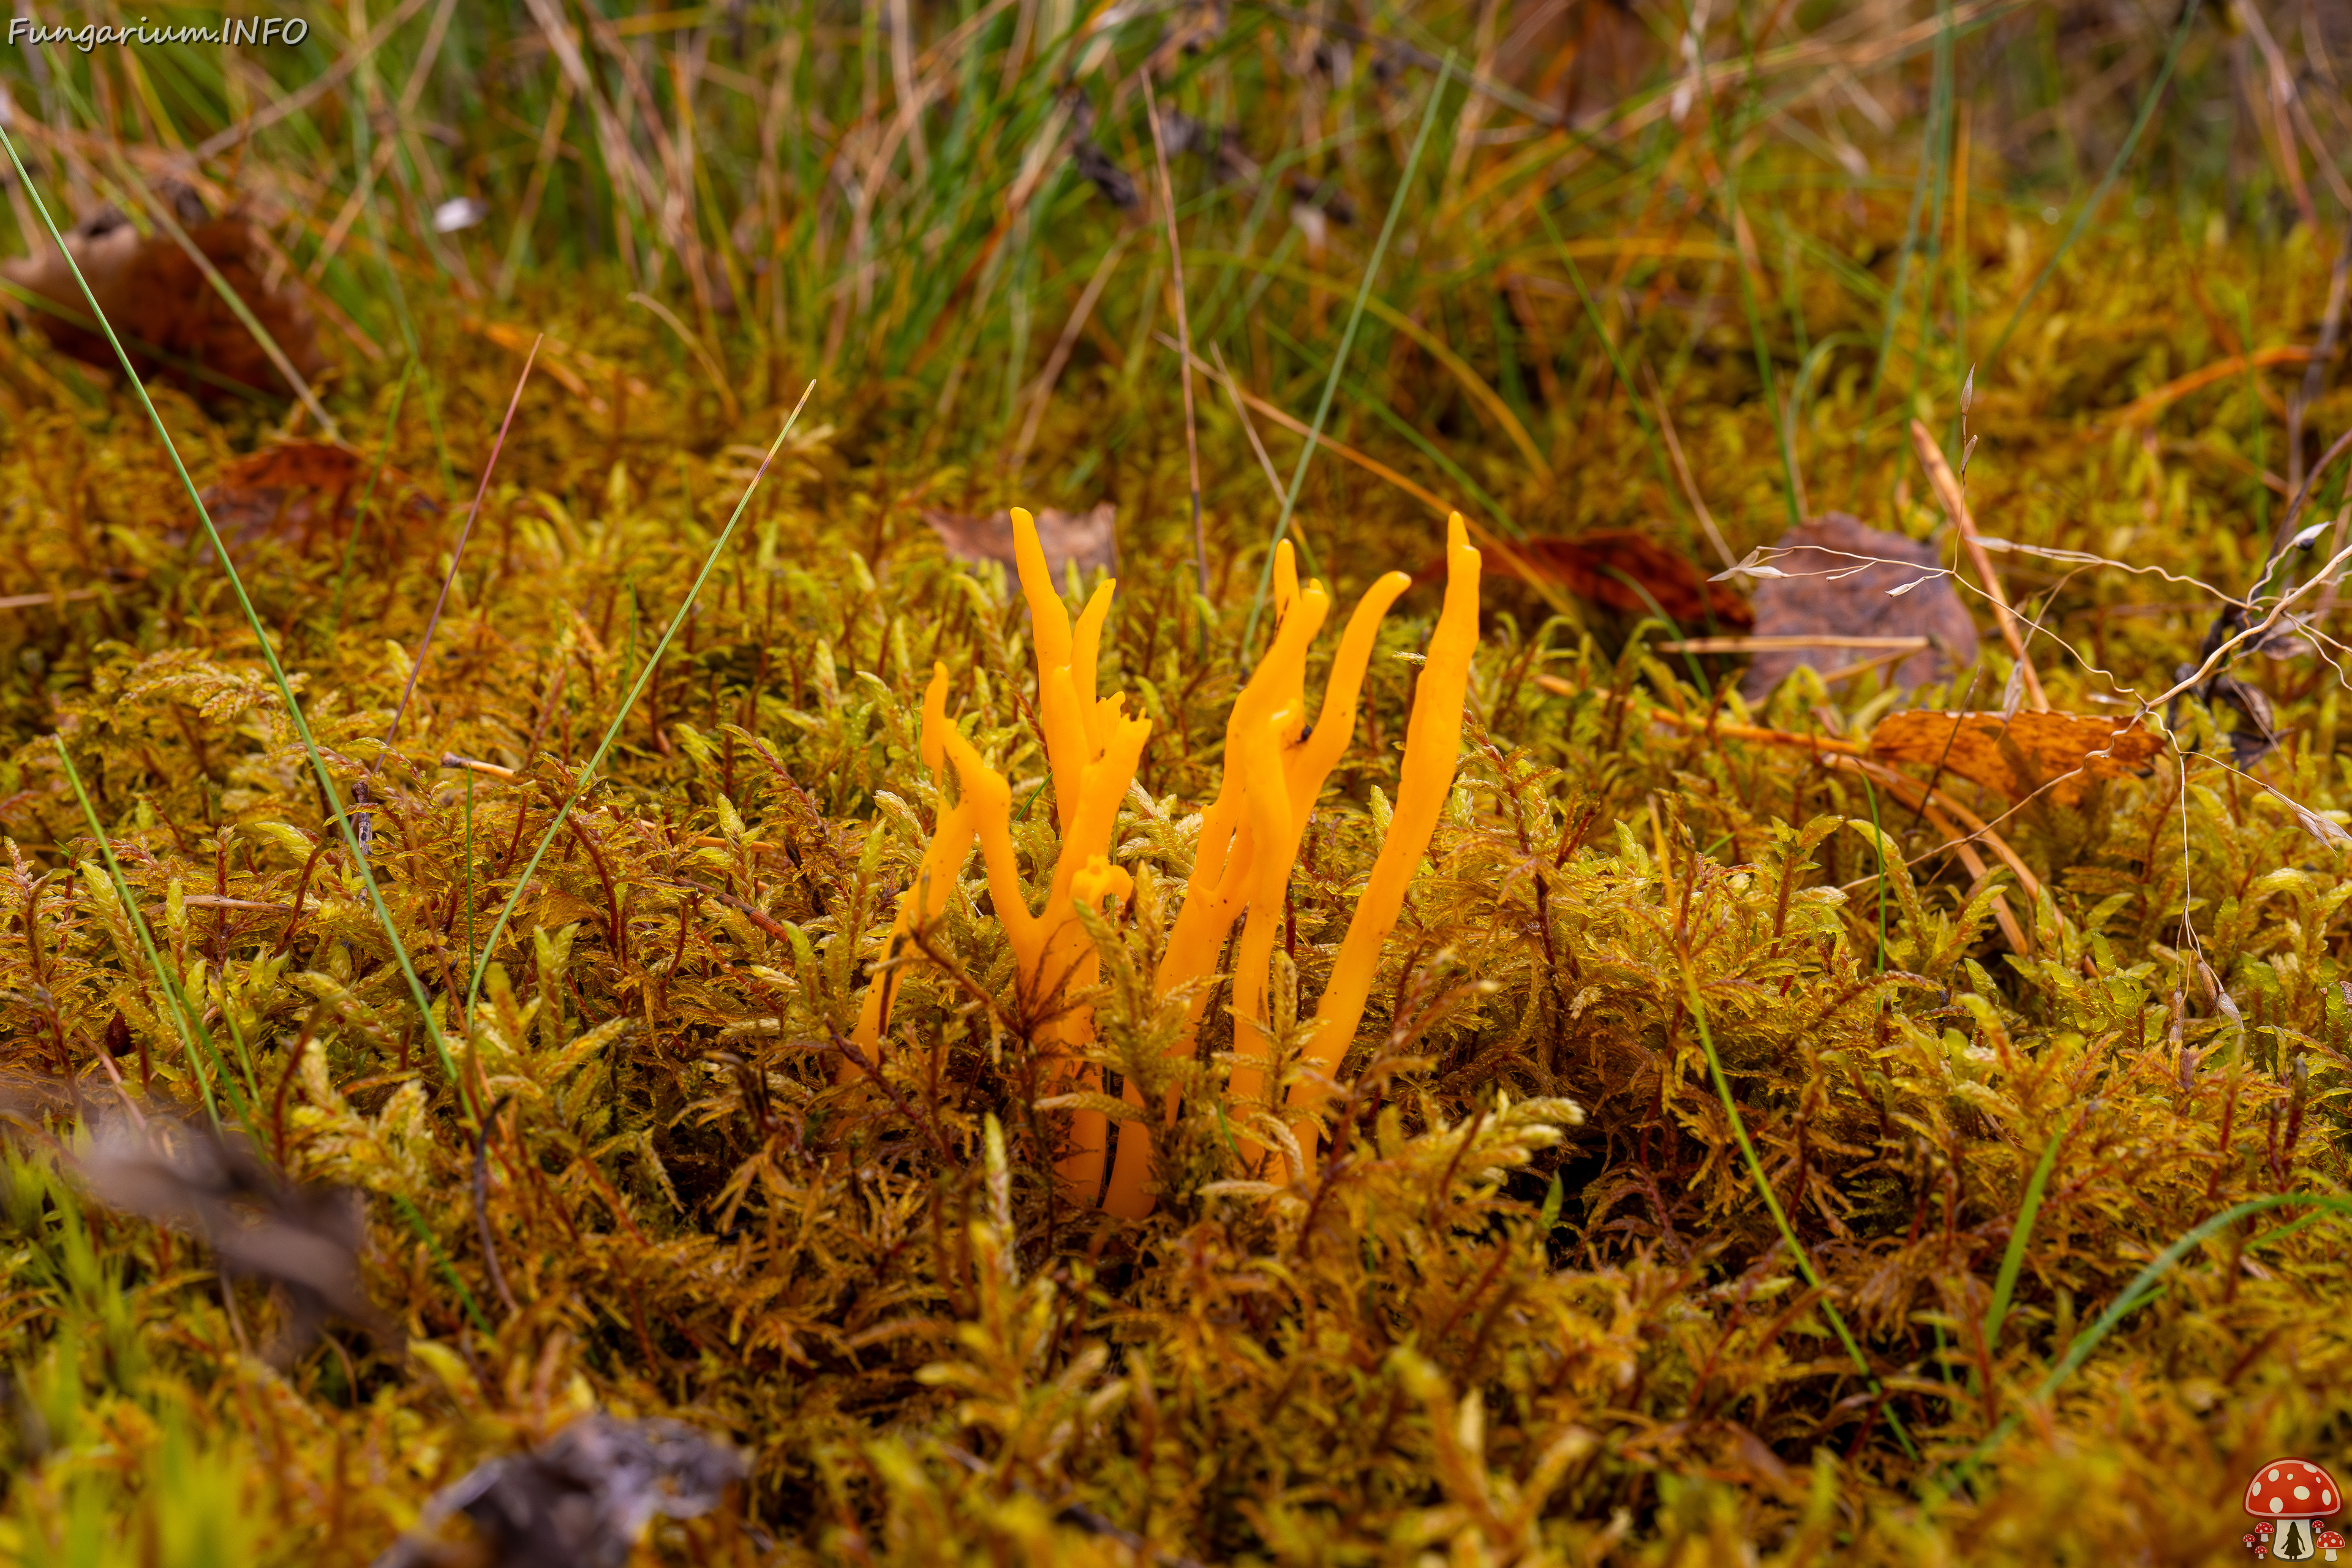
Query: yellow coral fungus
(1433, 742)
(942, 863)
(1091, 752)
(1275, 768)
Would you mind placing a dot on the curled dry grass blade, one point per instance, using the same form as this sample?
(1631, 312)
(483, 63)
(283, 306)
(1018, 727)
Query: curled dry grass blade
(627, 705)
(261, 635)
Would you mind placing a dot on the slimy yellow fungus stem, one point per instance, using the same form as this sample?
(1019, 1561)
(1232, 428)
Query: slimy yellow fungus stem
(935, 883)
(1248, 841)
(1250, 833)
(1065, 705)
(1091, 752)
(1433, 743)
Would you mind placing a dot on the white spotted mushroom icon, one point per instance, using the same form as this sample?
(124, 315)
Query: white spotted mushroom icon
(2296, 1496)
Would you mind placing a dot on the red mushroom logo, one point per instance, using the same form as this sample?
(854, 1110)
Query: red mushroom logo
(2295, 1497)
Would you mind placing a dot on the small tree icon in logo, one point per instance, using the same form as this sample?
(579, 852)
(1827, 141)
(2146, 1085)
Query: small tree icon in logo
(2293, 1497)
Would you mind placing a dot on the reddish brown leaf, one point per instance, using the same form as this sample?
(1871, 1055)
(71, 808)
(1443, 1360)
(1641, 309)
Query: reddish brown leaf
(1837, 574)
(280, 487)
(2016, 756)
(1619, 570)
(1089, 538)
(297, 465)
(153, 292)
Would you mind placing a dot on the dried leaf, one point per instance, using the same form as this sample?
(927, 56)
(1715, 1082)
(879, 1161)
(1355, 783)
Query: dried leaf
(1088, 539)
(581, 1501)
(276, 488)
(154, 293)
(1836, 578)
(2324, 828)
(297, 465)
(304, 1238)
(2020, 755)
(1620, 570)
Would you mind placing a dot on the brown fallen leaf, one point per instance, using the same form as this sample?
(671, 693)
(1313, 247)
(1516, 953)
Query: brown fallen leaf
(159, 299)
(1089, 538)
(2070, 752)
(1620, 569)
(304, 1238)
(297, 465)
(1835, 572)
(580, 1502)
(280, 487)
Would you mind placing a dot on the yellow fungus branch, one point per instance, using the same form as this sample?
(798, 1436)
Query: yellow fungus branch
(1432, 742)
(1249, 839)
(950, 847)
(1250, 834)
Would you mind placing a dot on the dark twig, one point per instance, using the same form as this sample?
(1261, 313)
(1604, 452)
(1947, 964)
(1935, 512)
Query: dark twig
(482, 1207)
(2314, 371)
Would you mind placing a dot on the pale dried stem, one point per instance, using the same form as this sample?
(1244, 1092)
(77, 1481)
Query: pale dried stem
(1064, 346)
(1683, 472)
(1955, 506)
(1183, 327)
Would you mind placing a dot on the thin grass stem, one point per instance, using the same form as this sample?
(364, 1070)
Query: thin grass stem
(2114, 170)
(2144, 1287)
(367, 498)
(457, 556)
(628, 704)
(190, 1027)
(1346, 342)
(261, 635)
(1183, 329)
(1781, 1219)
(2012, 1257)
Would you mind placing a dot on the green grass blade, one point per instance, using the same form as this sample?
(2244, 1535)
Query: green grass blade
(183, 1017)
(261, 635)
(629, 703)
(1347, 340)
(2012, 1257)
(2114, 170)
(1616, 356)
(441, 1261)
(1780, 1218)
(2144, 1288)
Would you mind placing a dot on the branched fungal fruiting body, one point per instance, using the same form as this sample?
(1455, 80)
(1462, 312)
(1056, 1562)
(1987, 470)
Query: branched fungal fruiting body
(1275, 768)
(1091, 752)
